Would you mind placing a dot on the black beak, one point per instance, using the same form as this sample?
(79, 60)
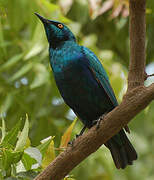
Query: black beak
(45, 21)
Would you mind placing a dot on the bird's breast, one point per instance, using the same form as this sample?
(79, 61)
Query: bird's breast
(67, 65)
(68, 73)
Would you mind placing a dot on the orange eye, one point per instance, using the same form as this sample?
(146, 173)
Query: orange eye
(60, 26)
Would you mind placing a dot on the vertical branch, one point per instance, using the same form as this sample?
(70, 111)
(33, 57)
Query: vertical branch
(137, 30)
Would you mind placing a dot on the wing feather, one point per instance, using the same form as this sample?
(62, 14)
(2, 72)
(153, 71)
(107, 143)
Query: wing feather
(99, 74)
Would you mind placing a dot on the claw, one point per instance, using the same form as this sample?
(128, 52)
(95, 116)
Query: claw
(70, 143)
(98, 121)
(77, 135)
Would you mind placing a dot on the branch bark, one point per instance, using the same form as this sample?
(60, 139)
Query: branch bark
(137, 29)
(140, 97)
(135, 100)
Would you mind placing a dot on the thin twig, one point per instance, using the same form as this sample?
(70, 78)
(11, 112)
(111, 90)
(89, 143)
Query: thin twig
(150, 75)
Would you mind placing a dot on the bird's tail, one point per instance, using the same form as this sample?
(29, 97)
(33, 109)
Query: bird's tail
(122, 151)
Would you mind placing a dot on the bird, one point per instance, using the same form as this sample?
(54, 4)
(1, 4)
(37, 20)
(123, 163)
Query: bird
(84, 85)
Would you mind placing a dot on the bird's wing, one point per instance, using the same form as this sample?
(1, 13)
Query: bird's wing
(99, 74)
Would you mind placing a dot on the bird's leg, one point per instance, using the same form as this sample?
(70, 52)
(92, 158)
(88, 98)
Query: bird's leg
(98, 121)
(81, 132)
(70, 143)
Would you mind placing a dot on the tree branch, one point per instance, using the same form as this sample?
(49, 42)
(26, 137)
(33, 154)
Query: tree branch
(137, 31)
(149, 75)
(135, 100)
(140, 97)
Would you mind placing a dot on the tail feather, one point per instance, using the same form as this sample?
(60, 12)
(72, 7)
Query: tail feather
(131, 153)
(123, 153)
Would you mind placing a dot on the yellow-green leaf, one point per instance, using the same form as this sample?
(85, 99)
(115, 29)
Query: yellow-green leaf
(49, 155)
(69, 177)
(3, 129)
(67, 135)
(22, 139)
(28, 143)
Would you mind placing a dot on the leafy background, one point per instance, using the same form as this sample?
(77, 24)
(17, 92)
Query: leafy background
(27, 84)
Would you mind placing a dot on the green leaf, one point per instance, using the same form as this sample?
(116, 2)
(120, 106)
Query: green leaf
(2, 41)
(36, 44)
(68, 178)
(22, 139)
(28, 161)
(49, 155)
(1, 175)
(28, 175)
(64, 19)
(7, 103)
(50, 6)
(11, 62)
(3, 129)
(34, 153)
(44, 146)
(11, 137)
(36, 49)
(41, 77)
(28, 143)
(10, 157)
(14, 178)
(21, 72)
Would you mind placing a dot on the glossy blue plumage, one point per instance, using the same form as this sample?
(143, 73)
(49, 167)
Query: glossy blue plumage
(84, 85)
(76, 69)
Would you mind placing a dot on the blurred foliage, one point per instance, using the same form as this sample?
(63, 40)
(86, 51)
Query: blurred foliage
(27, 84)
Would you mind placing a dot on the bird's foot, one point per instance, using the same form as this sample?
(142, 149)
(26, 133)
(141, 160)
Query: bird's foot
(77, 135)
(70, 143)
(98, 121)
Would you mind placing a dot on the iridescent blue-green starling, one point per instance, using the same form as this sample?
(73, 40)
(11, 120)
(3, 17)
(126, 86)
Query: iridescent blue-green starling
(84, 85)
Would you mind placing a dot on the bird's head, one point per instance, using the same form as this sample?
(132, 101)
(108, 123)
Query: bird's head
(56, 32)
